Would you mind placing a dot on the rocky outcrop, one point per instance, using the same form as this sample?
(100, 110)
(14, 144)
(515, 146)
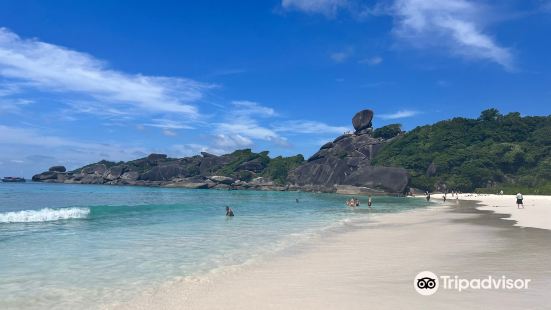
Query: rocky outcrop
(362, 120)
(347, 162)
(343, 166)
(57, 169)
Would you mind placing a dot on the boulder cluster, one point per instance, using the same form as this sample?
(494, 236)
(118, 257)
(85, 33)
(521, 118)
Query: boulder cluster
(343, 166)
(198, 172)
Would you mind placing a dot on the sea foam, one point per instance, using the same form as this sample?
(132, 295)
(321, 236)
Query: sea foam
(43, 215)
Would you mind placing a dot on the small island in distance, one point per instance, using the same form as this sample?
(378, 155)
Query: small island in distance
(491, 153)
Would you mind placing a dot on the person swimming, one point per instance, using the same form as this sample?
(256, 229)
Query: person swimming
(229, 211)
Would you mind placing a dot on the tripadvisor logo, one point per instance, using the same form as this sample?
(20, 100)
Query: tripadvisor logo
(427, 283)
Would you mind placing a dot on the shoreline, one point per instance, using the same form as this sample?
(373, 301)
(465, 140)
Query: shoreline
(374, 264)
(344, 190)
(535, 214)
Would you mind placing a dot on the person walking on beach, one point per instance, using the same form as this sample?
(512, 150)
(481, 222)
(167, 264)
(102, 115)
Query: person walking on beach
(428, 196)
(369, 202)
(444, 197)
(229, 211)
(519, 201)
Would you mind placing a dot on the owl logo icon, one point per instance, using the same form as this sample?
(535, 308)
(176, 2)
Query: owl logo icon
(426, 283)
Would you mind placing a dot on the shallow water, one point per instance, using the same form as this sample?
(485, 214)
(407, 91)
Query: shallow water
(77, 246)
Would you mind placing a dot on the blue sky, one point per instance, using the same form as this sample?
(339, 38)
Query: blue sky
(82, 81)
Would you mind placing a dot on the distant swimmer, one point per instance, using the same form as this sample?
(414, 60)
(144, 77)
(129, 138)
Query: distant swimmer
(519, 201)
(352, 202)
(296, 200)
(229, 211)
(369, 201)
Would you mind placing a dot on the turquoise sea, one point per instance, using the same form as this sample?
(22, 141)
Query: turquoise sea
(82, 246)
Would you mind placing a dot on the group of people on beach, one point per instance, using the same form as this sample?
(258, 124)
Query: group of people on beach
(354, 202)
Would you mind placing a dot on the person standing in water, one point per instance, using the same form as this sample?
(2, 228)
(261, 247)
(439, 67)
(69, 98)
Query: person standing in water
(519, 201)
(369, 201)
(428, 196)
(229, 211)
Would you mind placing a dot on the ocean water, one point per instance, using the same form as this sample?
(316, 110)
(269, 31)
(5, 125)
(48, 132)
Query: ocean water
(81, 246)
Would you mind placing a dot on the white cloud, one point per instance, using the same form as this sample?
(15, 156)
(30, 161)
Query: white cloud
(326, 7)
(167, 124)
(191, 149)
(19, 143)
(250, 108)
(247, 128)
(339, 57)
(99, 109)
(455, 24)
(372, 61)
(342, 55)
(57, 69)
(399, 114)
(308, 127)
(232, 142)
(13, 105)
(242, 127)
(169, 133)
(23, 136)
(241, 123)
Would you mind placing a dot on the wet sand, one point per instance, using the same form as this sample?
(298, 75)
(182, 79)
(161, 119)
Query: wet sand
(536, 212)
(373, 265)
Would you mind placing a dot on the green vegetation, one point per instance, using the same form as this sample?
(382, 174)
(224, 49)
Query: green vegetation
(275, 169)
(279, 167)
(388, 131)
(494, 152)
(239, 157)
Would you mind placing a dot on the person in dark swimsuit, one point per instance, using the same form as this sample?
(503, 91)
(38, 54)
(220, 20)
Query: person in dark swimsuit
(229, 211)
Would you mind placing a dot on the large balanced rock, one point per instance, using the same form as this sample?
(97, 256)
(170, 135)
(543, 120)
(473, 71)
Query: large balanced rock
(57, 169)
(347, 162)
(362, 120)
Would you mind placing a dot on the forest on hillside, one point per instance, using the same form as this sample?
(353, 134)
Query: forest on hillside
(491, 153)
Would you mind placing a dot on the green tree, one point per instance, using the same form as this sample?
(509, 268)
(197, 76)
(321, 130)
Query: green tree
(388, 131)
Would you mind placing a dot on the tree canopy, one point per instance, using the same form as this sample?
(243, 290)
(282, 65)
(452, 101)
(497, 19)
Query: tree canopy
(491, 152)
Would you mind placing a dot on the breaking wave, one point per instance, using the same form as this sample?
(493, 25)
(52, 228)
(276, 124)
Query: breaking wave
(43, 215)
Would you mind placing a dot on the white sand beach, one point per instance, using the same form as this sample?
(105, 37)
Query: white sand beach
(536, 212)
(373, 265)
